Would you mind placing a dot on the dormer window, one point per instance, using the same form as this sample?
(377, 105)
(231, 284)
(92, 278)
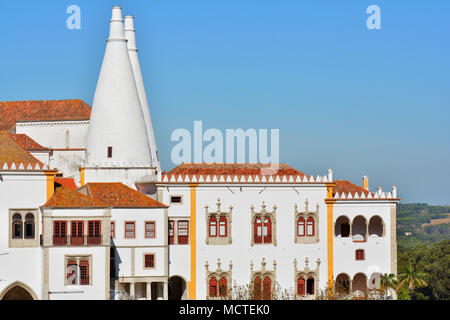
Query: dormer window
(109, 153)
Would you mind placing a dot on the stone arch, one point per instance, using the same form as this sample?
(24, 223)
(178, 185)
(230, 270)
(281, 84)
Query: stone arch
(177, 288)
(376, 226)
(342, 227)
(359, 285)
(18, 291)
(359, 229)
(343, 284)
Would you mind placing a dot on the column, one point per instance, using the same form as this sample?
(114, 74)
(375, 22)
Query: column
(132, 290)
(166, 291)
(149, 291)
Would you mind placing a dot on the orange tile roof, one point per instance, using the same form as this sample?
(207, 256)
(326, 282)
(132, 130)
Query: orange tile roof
(67, 198)
(66, 182)
(27, 143)
(118, 195)
(239, 169)
(12, 152)
(348, 187)
(44, 110)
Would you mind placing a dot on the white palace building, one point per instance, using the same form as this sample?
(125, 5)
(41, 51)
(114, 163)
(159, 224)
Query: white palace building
(87, 213)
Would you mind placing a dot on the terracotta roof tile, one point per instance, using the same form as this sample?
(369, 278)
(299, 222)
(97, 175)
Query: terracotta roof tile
(119, 195)
(346, 187)
(44, 110)
(239, 169)
(13, 152)
(66, 182)
(67, 198)
(27, 143)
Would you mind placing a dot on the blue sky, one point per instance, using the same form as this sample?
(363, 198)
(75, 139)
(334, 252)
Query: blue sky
(358, 101)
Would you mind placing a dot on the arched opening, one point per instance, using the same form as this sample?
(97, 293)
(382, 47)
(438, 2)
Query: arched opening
(223, 287)
(359, 285)
(310, 285)
(310, 227)
(376, 226)
(300, 286)
(223, 226)
(301, 227)
(18, 291)
(342, 284)
(267, 230)
(342, 227)
(213, 287)
(257, 288)
(359, 229)
(213, 226)
(29, 226)
(267, 289)
(17, 226)
(177, 288)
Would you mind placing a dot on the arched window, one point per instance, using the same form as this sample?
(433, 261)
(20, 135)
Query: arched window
(257, 288)
(301, 286)
(310, 285)
(223, 226)
(29, 226)
(223, 287)
(267, 288)
(258, 235)
(301, 227)
(267, 230)
(310, 227)
(212, 226)
(17, 226)
(213, 287)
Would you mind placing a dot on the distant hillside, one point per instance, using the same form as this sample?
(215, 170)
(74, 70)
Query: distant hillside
(418, 223)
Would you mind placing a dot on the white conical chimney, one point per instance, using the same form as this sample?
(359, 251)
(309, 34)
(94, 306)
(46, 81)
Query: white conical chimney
(117, 134)
(132, 51)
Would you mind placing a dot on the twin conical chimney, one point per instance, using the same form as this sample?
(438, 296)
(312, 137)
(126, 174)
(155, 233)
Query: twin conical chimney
(132, 51)
(117, 134)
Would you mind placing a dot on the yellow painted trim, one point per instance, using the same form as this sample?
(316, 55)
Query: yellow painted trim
(330, 254)
(193, 242)
(50, 184)
(82, 176)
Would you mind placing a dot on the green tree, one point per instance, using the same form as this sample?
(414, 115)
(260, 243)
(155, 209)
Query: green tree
(387, 281)
(412, 279)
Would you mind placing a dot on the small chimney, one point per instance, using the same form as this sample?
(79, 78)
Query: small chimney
(365, 183)
(394, 191)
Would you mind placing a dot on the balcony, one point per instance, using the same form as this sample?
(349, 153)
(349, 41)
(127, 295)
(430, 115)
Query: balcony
(77, 240)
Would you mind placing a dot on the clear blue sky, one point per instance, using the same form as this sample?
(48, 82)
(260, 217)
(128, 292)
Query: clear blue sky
(359, 101)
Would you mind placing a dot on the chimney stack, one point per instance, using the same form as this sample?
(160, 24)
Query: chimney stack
(130, 35)
(117, 135)
(365, 183)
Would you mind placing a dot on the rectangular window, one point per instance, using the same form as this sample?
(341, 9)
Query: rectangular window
(171, 231)
(183, 232)
(359, 255)
(175, 199)
(59, 233)
(94, 232)
(150, 230)
(113, 230)
(109, 152)
(129, 230)
(77, 236)
(149, 260)
(77, 271)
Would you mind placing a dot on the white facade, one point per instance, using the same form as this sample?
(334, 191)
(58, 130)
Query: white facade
(129, 253)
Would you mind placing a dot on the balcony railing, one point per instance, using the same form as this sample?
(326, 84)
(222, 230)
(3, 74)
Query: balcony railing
(77, 240)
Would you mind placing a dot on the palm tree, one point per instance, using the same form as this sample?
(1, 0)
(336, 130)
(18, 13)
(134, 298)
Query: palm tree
(387, 281)
(412, 279)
